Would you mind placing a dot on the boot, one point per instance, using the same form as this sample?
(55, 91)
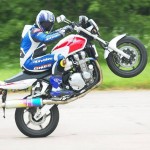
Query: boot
(57, 91)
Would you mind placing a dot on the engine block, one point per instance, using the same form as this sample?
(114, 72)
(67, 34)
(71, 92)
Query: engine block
(86, 70)
(78, 80)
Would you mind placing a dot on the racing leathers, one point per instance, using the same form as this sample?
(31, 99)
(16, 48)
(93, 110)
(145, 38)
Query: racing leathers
(32, 55)
(32, 47)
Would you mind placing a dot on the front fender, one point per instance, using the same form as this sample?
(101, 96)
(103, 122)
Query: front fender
(113, 45)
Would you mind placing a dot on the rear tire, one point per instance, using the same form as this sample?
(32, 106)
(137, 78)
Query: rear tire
(124, 67)
(23, 125)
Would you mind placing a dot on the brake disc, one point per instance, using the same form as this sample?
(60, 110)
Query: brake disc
(128, 63)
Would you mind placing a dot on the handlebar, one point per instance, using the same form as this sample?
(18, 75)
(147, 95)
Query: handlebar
(78, 29)
(62, 18)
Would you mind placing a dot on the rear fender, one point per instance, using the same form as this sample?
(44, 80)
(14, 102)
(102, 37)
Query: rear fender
(18, 85)
(2, 83)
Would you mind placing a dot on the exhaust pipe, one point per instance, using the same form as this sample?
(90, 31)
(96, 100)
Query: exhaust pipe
(35, 102)
(23, 103)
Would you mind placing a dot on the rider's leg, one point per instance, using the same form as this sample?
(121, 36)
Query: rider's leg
(46, 62)
(39, 64)
(56, 79)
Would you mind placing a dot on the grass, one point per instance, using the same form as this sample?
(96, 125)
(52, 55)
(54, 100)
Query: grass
(9, 70)
(110, 80)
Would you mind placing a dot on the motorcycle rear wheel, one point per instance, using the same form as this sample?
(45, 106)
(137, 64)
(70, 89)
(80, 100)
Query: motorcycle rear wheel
(36, 128)
(124, 67)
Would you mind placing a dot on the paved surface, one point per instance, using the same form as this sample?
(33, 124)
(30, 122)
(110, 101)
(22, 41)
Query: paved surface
(106, 120)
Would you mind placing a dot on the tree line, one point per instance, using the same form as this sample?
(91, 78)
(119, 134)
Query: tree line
(113, 17)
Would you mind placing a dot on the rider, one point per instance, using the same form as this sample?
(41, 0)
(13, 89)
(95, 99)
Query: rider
(33, 57)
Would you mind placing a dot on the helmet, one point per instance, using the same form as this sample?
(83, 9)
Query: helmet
(45, 20)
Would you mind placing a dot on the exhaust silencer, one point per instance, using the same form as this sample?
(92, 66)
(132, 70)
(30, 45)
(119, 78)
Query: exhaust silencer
(34, 102)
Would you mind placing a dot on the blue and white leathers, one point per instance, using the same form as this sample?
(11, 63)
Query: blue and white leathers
(35, 40)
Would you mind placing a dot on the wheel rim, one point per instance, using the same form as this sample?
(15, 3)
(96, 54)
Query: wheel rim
(123, 63)
(33, 124)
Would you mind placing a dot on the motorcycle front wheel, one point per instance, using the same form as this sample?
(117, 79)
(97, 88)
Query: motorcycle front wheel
(124, 67)
(24, 118)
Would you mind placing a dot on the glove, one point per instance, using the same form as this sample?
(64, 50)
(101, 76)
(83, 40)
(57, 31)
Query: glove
(68, 28)
(62, 32)
(65, 29)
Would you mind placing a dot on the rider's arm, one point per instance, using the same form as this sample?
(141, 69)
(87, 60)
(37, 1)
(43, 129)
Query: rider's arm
(39, 36)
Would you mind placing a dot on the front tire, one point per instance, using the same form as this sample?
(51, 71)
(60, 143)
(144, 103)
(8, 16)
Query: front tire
(124, 67)
(36, 128)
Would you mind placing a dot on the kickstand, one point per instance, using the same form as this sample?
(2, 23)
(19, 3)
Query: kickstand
(4, 96)
(4, 113)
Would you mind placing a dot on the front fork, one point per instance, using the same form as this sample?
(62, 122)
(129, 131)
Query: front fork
(112, 46)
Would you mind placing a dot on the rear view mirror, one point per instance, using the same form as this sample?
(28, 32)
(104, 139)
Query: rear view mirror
(61, 18)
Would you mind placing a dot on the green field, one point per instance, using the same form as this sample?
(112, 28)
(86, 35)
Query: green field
(110, 80)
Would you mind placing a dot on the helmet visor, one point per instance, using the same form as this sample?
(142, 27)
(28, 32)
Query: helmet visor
(46, 25)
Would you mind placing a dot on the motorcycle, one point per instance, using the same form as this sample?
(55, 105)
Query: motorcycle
(37, 115)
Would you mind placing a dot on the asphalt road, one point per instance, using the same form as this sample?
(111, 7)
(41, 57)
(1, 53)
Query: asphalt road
(105, 120)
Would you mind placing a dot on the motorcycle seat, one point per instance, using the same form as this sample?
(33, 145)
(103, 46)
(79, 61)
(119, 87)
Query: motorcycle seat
(28, 75)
